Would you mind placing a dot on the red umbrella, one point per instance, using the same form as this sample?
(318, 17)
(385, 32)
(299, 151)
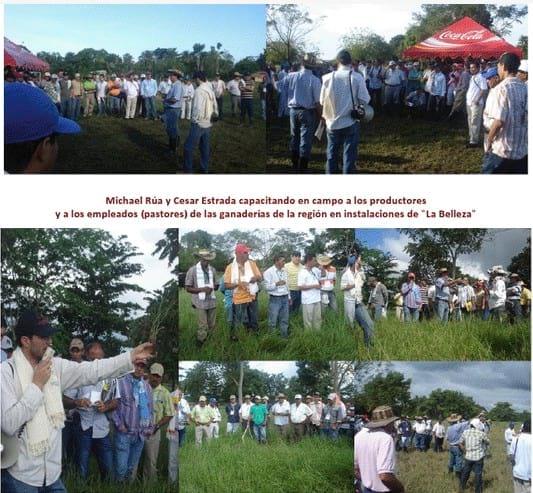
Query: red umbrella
(9, 60)
(23, 58)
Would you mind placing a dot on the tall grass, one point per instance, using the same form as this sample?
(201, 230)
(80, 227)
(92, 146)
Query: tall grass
(468, 340)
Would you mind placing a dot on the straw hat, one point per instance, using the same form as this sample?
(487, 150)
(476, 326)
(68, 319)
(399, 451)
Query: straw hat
(381, 416)
(453, 418)
(323, 260)
(205, 255)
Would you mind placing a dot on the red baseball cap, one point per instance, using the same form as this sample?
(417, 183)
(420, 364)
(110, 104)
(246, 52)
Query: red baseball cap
(242, 248)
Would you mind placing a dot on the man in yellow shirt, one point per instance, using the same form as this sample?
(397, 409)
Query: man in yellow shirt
(243, 277)
(292, 268)
(202, 416)
(525, 300)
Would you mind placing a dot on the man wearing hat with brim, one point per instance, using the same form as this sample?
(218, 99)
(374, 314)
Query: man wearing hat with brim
(219, 86)
(303, 89)
(202, 416)
(31, 124)
(243, 276)
(375, 456)
(514, 293)
(278, 296)
(281, 411)
(32, 410)
(442, 295)
(234, 89)
(453, 437)
(200, 283)
(328, 278)
(293, 268)
(300, 415)
(523, 71)
(497, 292)
(172, 105)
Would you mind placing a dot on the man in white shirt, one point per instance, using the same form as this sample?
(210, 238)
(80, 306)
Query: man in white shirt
(419, 429)
(309, 285)
(176, 432)
(131, 87)
(439, 432)
(214, 427)
(343, 93)
(101, 90)
(204, 109)
(234, 89)
(317, 406)
(244, 411)
(32, 383)
(437, 90)
(188, 94)
(219, 86)
(475, 100)
(276, 278)
(520, 455)
(393, 80)
(508, 435)
(300, 415)
(148, 93)
(375, 76)
(281, 411)
(497, 292)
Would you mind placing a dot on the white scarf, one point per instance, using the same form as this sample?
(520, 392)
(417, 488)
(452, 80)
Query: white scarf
(351, 279)
(201, 282)
(328, 102)
(253, 288)
(50, 413)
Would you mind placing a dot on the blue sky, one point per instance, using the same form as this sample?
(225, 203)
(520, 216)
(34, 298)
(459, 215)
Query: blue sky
(132, 29)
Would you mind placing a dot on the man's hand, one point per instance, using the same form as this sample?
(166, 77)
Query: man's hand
(142, 352)
(83, 403)
(101, 407)
(207, 289)
(280, 283)
(42, 372)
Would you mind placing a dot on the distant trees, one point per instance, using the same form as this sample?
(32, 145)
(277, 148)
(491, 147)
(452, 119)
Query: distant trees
(521, 263)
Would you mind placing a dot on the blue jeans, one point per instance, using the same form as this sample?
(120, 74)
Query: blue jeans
(101, 106)
(392, 94)
(247, 108)
(477, 467)
(455, 459)
(329, 432)
(278, 313)
(303, 123)
(172, 116)
(198, 136)
(245, 314)
(260, 432)
(102, 449)
(420, 441)
(181, 436)
(410, 314)
(114, 104)
(65, 111)
(12, 485)
(74, 108)
(443, 310)
(128, 450)
(348, 139)
(490, 163)
(296, 301)
(220, 104)
(378, 312)
(364, 320)
(149, 103)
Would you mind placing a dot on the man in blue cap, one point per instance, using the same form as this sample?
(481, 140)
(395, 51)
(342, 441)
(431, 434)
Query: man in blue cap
(31, 124)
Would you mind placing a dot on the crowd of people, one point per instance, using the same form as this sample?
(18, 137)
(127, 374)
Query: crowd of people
(57, 413)
(467, 441)
(310, 285)
(128, 96)
(490, 94)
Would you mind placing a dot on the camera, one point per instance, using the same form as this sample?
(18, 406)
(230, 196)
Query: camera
(358, 113)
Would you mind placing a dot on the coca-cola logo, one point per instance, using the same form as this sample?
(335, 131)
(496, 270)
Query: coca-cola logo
(468, 36)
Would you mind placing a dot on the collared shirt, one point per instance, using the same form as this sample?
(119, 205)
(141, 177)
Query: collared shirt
(309, 278)
(188, 91)
(442, 291)
(164, 87)
(419, 427)
(439, 430)
(50, 89)
(89, 86)
(394, 77)
(191, 281)
(508, 104)
(232, 412)
(132, 88)
(477, 85)
(218, 87)
(300, 413)
(411, 295)
(497, 293)
(101, 87)
(162, 403)
(292, 274)
(245, 410)
(216, 411)
(182, 411)
(455, 431)
(379, 295)
(336, 86)
(202, 415)
(126, 415)
(475, 443)
(175, 92)
(234, 87)
(348, 278)
(19, 406)
(258, 414)
(328, 276)
(521, 450)
(303, 89)
(91, 417)
(273, 275)
(76, 88)
(331, 414)
(374, 455)
(148, 88)
(374, 77)
(316, 408)
(438, 84)
(204, 105)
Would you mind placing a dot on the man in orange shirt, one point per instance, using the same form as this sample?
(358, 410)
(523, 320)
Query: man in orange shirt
(243, 277)
(113, 91)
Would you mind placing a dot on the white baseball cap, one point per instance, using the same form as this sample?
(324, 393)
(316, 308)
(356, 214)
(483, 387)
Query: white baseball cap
(298, 396)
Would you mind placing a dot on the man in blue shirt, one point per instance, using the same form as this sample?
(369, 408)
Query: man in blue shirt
(442, 295)
(148, 93)
(303, 89)
(172, 104)
(453, 436)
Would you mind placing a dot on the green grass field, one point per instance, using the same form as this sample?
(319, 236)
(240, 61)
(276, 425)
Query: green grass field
(230, 465)
(115, 145)
(389, 145)
(468, 340)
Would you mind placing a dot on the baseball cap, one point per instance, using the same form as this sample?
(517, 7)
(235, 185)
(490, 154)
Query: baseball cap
(76, 342)
(202, 398)
(7, 344)
(232, 397)
(242, 248)
(298, 396)
(212, 400)
(31, 323)
(490, 73)
(523, 66)
(157, 369)
(29, 114)
(332, 396)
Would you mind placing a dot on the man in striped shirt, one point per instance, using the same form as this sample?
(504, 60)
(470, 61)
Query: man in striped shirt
(411, 299)
(507, 108)
(247, 98)
(474, 444)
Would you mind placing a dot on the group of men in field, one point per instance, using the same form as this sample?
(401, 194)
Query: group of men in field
(307, 416)
(492, 96)
(467, 441)
(57, 413)
(309, 286)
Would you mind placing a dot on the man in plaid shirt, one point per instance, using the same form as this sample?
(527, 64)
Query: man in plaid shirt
(474, 444)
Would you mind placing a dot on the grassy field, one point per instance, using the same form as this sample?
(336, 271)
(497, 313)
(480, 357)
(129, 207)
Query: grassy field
(229, 465)
(468, 340)
(115, 145)
(428, 472)
(389, 145)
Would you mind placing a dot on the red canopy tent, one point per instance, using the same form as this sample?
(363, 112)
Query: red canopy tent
(22, 58)
(463, 38)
